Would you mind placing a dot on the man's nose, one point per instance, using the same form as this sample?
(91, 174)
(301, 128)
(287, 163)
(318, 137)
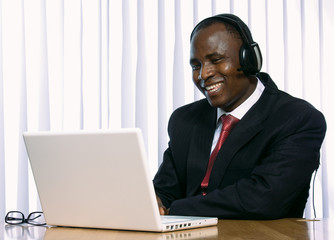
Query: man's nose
(206, 72)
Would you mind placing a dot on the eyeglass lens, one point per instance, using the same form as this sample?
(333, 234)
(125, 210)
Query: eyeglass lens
(36, 218)
(14, 217)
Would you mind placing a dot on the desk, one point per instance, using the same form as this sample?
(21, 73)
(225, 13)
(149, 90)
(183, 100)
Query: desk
(226, 229)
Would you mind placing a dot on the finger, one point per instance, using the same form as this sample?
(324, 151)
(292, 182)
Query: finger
(162, 211)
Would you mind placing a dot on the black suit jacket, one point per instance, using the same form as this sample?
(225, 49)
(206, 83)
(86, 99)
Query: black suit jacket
(263, 169)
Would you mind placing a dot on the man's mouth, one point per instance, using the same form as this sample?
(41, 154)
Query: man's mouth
(214, 87)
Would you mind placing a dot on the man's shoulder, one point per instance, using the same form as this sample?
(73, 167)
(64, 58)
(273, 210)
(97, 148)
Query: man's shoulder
(293, 103)
(281, 99)
(194, 109)
(283, 108)
(194, 106)
(198, 111)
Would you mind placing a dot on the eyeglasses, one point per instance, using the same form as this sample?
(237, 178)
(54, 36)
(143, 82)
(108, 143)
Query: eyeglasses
(17, 217)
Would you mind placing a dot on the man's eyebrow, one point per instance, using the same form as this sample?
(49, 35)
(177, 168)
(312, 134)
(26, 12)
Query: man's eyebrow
(193, 61)
(208, 56)
(214, 54)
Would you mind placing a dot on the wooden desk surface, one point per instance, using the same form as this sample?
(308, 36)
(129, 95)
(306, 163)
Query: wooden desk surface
(226, 229)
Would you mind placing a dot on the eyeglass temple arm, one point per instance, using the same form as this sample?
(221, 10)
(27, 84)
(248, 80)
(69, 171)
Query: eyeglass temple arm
(35, 217)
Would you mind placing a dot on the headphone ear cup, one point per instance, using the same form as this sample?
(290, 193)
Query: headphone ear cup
(250, 58)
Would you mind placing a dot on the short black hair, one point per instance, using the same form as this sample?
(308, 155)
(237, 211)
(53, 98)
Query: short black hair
(232, 22)
(231, 29)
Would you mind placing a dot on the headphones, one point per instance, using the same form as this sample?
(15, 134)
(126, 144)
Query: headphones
(250, 56)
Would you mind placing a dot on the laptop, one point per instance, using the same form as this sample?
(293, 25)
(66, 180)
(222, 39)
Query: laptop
(99, 179)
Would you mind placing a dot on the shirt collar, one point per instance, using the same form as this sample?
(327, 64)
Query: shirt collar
(240, 111)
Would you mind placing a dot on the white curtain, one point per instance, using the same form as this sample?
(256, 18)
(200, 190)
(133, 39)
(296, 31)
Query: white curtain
(102, 64)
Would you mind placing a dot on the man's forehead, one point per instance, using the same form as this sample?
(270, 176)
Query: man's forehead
(213, 27)
(212, 41)
(211, 35)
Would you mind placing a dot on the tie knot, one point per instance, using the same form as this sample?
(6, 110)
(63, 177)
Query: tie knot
(228, 122)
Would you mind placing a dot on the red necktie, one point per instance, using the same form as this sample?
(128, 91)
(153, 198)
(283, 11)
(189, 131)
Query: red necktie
(228, 122)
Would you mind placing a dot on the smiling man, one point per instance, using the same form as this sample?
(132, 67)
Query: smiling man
(214, 58)
(246, 151)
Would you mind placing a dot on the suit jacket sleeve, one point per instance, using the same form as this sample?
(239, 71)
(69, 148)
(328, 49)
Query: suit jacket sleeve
(169, 182)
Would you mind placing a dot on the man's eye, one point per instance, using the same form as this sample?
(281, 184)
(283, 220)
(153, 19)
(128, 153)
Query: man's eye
(216, 60)
(195, 67)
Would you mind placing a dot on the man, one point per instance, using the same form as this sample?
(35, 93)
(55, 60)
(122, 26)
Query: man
(264, 167)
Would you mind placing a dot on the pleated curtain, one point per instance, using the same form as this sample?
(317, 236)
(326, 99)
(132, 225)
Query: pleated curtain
(102, 64)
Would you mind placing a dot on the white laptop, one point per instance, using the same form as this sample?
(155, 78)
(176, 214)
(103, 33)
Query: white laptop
(99, 179)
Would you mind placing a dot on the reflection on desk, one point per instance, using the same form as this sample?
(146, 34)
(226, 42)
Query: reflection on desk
(226, 229)
(23, 231)
(88, 234)
(52, 233)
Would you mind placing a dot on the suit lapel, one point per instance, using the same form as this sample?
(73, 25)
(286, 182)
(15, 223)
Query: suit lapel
(231, 146)
(250, 125)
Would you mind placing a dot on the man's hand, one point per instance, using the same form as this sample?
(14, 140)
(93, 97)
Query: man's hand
(162, 209)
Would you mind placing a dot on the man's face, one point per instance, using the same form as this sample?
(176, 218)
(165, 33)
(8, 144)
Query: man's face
(214, 58)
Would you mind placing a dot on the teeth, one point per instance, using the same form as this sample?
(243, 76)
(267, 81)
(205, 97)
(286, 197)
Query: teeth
(214, 86)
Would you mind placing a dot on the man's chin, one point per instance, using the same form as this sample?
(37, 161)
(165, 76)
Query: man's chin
(216, 104)
(213, 103)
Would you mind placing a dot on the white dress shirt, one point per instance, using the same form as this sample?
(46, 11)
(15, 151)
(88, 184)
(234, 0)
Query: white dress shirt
(239, 112)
